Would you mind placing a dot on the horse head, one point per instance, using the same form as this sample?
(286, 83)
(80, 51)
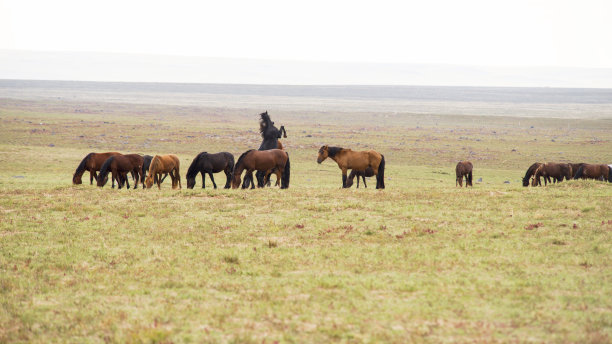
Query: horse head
(149, 181)
(323, 153)
(236, 180)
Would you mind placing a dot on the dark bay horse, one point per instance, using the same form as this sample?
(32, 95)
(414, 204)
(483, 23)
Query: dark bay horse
(464, 169)
(354, 160)
(531, 172)
(270, 135)
(590, 171)
(263, 161)
(161, 164)
(92, 163)
(556, 171)
(120, 166)
(368, 172)
(210, 163)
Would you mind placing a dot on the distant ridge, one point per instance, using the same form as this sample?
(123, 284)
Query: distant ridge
(361, 92)
(84, 66)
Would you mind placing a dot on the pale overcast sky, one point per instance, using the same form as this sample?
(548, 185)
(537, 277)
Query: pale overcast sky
(467, 32)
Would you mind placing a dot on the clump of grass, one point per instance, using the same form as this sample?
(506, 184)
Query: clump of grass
(272, 243)
(231, 260)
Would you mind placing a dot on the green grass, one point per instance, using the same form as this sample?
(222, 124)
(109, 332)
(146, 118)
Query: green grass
(422, 261)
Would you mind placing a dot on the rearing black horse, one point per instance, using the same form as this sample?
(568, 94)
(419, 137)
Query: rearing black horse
(270, 135)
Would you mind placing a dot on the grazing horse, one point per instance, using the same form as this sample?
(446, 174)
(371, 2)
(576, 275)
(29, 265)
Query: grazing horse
(354, 160)
(210, 163)
(531, 173)
(263, 161)
(589, 171)
(464, 169)
(363, 174)
(164, 164)
(553, 170)
(270, 135)
(120, 166)
(92, 163)
(145, 168)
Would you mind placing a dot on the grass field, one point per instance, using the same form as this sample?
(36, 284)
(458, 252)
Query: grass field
(421, 261)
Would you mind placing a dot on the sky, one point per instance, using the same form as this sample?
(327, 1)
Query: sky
(540, 33)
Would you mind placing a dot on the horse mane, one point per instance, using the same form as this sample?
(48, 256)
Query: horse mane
(580, 172)
(193, 171)
(105, 167)
(332, 151)
(530, 172)
(154, 164)
(240, 162)
(81, 168)
(264, 122)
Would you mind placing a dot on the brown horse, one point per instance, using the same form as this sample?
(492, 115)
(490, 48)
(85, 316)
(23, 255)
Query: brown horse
(530, 173)
(359, 174)
(164, 164)
(264, 161)
(120, 166)
(92, 163)
(556, 171)
(354, 160)
(589, 171)
(464, 169)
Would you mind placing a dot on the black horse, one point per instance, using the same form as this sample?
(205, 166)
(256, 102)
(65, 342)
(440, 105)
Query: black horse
(270, 135)
(211, 163)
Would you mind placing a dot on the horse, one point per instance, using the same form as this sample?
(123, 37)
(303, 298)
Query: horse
(368, 172)
(263, 161)
(464, 169)
(164, 164)
(556, 171)
(120, 166)
(355, 160)
(92, 163)
(270, 135)
(531, 172)
(210, 163)
(145, 168)
(590, 171)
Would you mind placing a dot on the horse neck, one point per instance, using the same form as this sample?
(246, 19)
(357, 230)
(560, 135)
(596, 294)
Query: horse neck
(155, 165)
(193, 169)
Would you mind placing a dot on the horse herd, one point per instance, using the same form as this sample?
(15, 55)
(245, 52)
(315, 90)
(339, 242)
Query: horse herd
(148, 170)
(271, 158)
(557, 172)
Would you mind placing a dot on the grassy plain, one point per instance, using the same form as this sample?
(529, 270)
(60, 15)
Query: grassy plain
(421, 261)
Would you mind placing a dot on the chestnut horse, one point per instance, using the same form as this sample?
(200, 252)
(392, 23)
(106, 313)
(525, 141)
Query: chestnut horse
(464, 169)
(120, 166)
(355, 160)
(92, 163)
(589, 171)
(262, 161)
(161, 164)
(368, 172)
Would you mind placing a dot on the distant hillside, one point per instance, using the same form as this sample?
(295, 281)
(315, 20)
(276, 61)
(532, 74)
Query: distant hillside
(180, 69)
(404, 93)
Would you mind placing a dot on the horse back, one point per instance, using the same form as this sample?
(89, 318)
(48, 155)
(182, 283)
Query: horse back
(97, 160)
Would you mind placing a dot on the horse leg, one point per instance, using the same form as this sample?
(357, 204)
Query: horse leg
(92, 175)
(127, 181)
(228, 176)
(212, 179)
(203, 179)
(364, 182)
(344, 177)
(250, 174)
(278, 177)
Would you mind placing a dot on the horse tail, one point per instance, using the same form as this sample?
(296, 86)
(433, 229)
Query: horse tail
(470, 178)
(105, 168)
(286, 174)
(380, 177)
(81, 168)
(579, 173)
(230, 162)
(609, 174)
